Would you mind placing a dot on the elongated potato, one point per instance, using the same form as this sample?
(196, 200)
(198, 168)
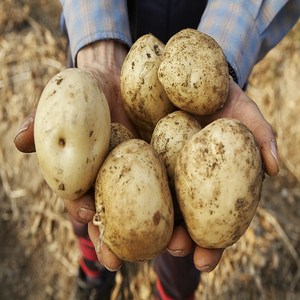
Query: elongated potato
(71, 132)
(134, 209)
(145, 100)
(194, 72)
(218, 180)
(170, 134)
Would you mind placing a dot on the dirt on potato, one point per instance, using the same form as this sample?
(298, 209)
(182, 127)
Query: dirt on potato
(38, 250)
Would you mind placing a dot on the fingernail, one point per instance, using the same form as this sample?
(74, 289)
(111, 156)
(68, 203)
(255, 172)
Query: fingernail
(26, 124)
(206, 268)
(273, 150)
(177, 252)
(85, 213)
(111, 269)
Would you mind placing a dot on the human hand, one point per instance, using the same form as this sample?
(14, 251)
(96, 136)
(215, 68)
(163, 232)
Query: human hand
(103, 60)
(238, 106)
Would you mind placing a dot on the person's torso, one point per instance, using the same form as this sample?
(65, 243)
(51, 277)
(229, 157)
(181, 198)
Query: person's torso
(163, 18)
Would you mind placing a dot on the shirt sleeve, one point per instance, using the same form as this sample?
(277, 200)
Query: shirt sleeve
(90, 20)
(247, 29)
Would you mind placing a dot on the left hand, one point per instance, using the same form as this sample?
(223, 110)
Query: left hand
(238, 106)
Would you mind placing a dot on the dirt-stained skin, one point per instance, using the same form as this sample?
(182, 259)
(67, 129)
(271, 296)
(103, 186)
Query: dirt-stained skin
(145, 100)
(218, 180)
(194, 72)
(71, 132)
(134, 205)
(170, 134)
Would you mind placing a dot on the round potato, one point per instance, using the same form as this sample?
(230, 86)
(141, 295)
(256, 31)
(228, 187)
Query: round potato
(218, 181)
(194, 72)
(71, 132)
(134, 209)
(145, 100)
(170, 134)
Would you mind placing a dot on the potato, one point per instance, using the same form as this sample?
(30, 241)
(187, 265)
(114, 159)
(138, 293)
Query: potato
(145, 100)
(218, 181)
(194, 72)
(170, 134)
(118, 134)
(134, 209)
(71, 132)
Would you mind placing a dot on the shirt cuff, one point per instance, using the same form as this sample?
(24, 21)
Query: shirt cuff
(234, 29)
(90, 21)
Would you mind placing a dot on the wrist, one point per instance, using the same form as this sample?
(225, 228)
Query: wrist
(105, 54)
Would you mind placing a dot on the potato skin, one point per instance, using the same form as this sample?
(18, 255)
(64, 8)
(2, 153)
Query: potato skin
(170, 134)
(134, 209)
(194, 72)
(145, 100)
(71, 132)
(218, 180)
(118, 134)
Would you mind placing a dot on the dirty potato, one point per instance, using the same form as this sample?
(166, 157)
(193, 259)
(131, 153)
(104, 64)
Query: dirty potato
(218, 180)
(194, 72)
(71, 132)
(118, 134)
(170, 134)
(144, 98)
(134, 209)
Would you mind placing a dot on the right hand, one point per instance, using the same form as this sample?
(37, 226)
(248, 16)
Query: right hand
(103, 60)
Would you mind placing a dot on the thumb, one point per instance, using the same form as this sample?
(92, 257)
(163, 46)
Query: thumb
(247, 111)
(24, 139)
(266, 140)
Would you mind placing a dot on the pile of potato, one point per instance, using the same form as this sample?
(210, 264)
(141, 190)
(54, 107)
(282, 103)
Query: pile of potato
(214, 173)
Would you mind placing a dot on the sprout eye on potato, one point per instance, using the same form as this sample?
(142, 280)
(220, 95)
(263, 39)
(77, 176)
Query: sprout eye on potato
(218, 180)
(194, 72)
(134, 209)
(71, 132)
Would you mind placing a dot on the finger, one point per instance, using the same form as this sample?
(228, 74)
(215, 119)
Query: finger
(24, 140)
(247, 111)
(83, 209)
(181, 243)
(206, 260)
(265, 138)
(107, 258)
(241, 107)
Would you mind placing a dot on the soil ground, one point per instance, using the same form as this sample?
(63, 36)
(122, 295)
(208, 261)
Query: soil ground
(38, 251)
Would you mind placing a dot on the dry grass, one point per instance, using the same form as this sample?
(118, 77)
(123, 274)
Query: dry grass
(264, 264)
(274, 85)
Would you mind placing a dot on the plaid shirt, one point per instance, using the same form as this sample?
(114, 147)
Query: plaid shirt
(245, 29)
